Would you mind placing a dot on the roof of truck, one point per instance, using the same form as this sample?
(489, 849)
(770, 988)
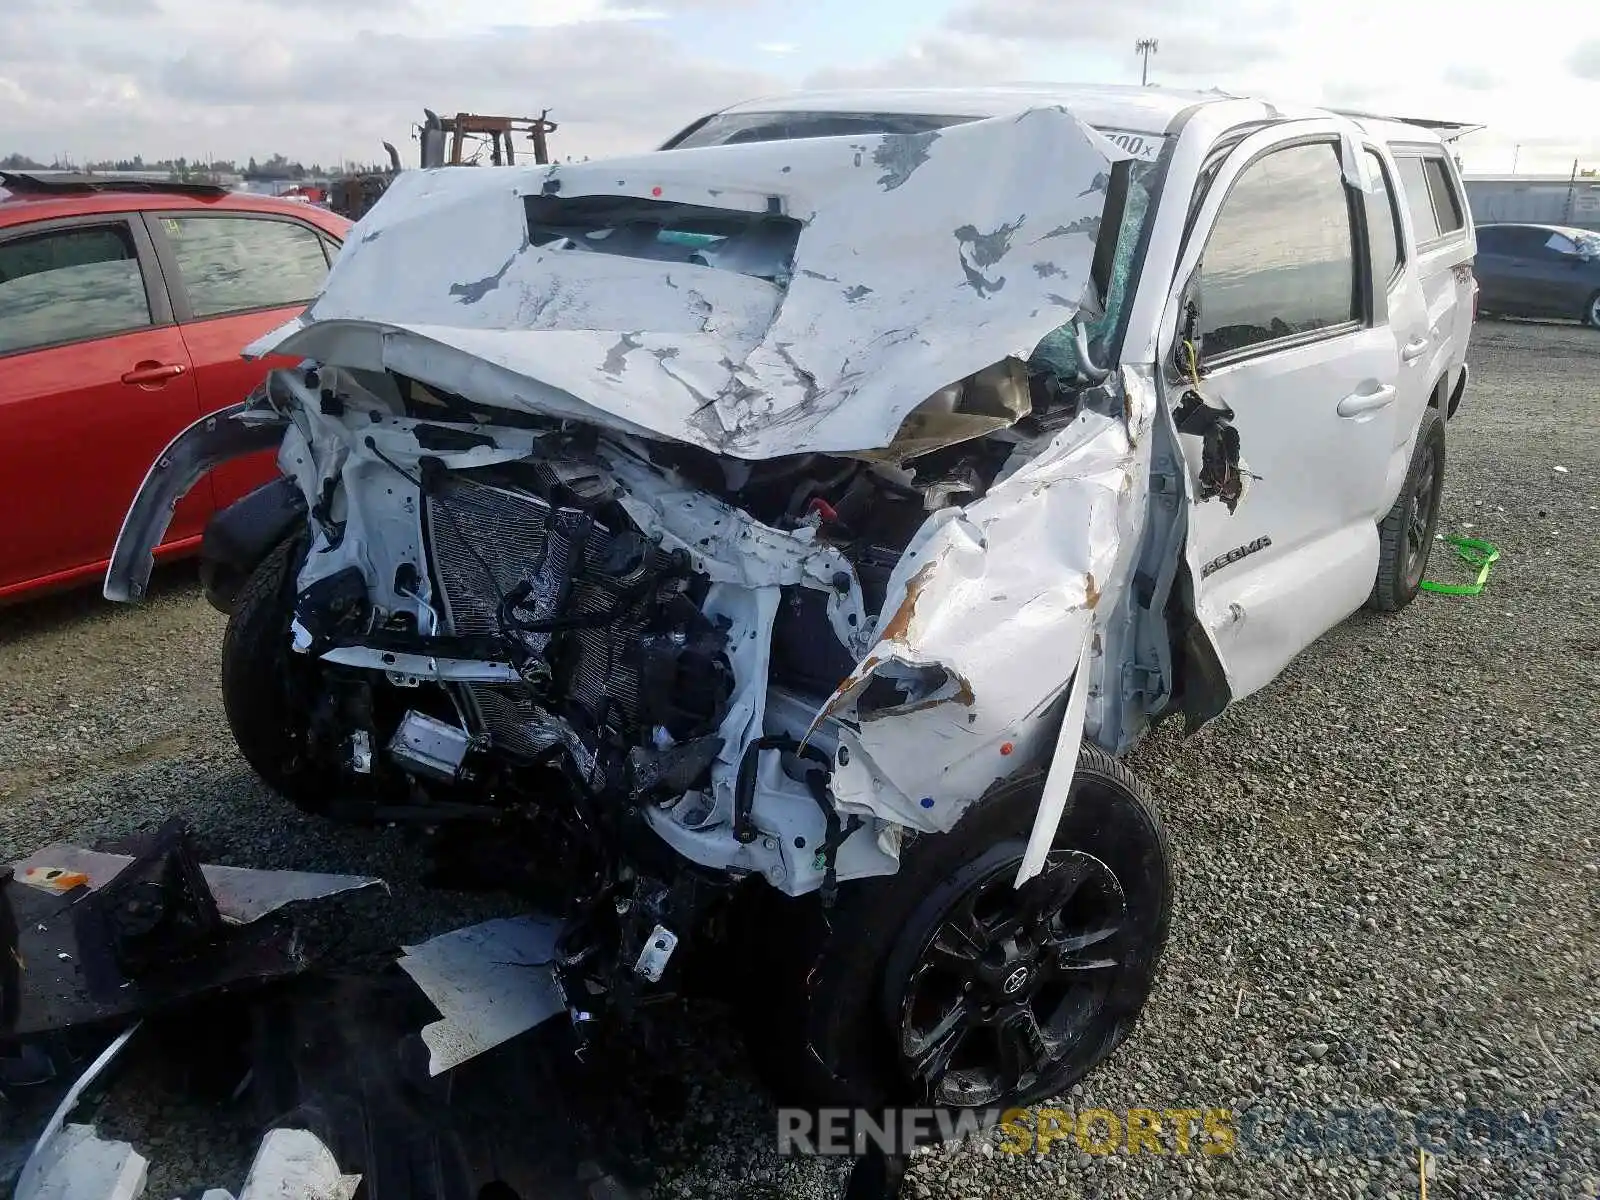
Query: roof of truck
(1118, 106)
(1142, 109)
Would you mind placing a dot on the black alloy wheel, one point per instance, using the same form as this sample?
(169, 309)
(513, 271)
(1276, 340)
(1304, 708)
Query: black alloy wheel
(1010, 981)
(1422, 512)
(944, 985)
(1405, 535)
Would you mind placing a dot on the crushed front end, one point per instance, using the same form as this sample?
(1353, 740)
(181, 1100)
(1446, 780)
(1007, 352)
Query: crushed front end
(677, 521)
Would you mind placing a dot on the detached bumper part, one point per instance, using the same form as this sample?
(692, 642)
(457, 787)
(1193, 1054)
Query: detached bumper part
(109, 936)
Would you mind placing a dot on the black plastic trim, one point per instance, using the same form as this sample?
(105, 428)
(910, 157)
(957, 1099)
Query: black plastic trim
(238, 538)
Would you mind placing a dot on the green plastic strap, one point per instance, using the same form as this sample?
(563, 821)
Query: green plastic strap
(1474, 553)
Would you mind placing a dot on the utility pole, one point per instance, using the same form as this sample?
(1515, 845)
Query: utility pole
(1516, 152)
(1144, 48)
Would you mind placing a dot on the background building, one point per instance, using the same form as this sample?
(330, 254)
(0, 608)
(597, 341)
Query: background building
(1535, 199)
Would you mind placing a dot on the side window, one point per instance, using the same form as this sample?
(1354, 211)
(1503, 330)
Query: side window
(1527, 242)
(1419, 202)
(1446, 204)
(232, 264)
(1383, 223)
(69, 285)
(1280, 259)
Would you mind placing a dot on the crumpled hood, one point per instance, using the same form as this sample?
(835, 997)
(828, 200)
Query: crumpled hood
(920, 260)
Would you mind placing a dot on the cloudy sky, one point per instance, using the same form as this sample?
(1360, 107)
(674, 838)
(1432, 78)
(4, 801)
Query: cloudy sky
(329, 79)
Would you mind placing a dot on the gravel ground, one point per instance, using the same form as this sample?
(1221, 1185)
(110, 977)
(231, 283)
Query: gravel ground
(1389, 866)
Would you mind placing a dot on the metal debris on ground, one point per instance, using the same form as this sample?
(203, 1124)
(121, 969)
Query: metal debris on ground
(490, 982)
(243, 895)
(341, 1069)
(141, 934)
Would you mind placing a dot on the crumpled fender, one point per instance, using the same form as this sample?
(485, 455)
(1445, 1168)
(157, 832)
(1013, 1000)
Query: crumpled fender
(226, 434)
(993, 615)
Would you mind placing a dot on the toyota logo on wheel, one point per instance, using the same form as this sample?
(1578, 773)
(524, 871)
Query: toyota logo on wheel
(1015, 981)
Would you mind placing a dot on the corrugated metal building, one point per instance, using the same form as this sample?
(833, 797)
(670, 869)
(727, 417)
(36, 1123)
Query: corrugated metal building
(1535, 199)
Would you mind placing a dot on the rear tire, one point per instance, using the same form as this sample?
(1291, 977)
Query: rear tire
(1405, 536)
(839, 1003)
(267, 689)
(1591, 311)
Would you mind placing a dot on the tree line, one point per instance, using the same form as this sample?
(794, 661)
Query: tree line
(277, 167)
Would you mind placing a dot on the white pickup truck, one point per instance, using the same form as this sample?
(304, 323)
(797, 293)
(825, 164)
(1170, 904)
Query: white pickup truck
(794, 526)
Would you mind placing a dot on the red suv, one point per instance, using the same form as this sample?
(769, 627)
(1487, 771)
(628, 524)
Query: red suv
(124, 305)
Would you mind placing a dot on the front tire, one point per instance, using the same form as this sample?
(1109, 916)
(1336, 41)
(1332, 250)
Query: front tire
(1405, 536)
(1591, 311)
(943, 985)
(268, 690)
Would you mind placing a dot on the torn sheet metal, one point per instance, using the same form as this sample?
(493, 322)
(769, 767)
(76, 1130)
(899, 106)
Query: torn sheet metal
(242, 895)
(69, 1161)
(988, 612)
(141, 934)
(866, 319)
(295, 1163)
(70, 975)
(747, 562)
(489, 982)
(76, 1163)
(1063, 766)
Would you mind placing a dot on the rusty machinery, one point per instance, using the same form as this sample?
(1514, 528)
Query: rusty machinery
(496, 134)
(458, 141)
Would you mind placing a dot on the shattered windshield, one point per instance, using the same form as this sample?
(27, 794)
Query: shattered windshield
(1057, 354)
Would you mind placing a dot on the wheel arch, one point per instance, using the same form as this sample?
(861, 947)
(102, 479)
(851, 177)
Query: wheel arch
(1446, 397)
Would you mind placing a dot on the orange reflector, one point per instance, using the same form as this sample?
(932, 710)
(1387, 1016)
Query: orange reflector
(56, 879)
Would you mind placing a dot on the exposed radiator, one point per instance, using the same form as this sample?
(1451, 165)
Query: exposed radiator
(486, 539)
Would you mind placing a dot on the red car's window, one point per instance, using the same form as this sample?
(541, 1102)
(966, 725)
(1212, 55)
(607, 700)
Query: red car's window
(232, 264)
(68, 285)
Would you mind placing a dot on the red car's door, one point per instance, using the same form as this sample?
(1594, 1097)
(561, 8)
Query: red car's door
(94, 381)
(234, 277)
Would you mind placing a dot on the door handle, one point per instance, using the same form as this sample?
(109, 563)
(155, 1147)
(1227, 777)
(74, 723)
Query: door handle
(1414, 350)
(147, 373)
(1364, 402)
